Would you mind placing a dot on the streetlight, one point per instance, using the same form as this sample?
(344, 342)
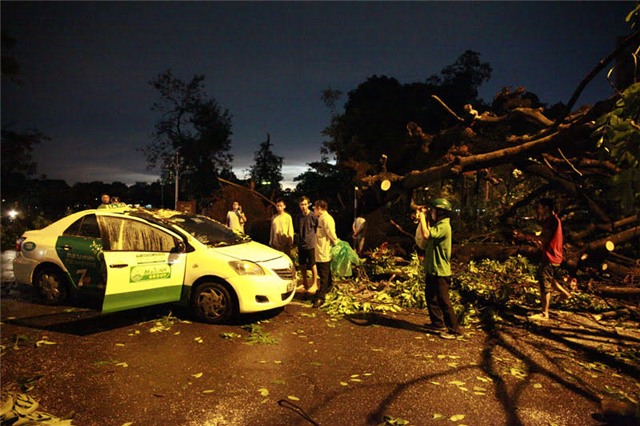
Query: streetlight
(173, 165)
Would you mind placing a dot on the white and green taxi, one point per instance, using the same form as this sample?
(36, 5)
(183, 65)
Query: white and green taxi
(133, 257)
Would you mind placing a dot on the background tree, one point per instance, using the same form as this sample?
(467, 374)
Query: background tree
(17, 146)
(461, 80)
(17, 150)
(192, 136)
(376, 113)
(323, 180)
(266, 171)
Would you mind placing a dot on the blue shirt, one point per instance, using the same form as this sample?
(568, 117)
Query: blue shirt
(307, 226)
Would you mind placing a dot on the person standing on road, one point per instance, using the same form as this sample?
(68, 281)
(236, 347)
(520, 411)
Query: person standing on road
(434, 236)
(359, 228)
(281, 237)
(307, 227)
(236, 218)
(550, 245)
(326, 237)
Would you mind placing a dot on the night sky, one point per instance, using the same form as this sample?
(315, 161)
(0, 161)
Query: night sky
(86, 66)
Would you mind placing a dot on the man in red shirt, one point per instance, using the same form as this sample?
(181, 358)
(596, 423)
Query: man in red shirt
(550, 244)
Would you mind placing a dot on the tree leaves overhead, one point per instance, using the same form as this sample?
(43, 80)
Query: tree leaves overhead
(17, 149)
(377, 111)
(192, 137)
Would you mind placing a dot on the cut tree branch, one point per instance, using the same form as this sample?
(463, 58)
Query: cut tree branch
(631, 40)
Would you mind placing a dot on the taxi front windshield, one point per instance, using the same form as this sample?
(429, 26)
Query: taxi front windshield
(207, 231)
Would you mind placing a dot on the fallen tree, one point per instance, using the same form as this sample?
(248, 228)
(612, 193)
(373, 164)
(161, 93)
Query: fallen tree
(574, 155)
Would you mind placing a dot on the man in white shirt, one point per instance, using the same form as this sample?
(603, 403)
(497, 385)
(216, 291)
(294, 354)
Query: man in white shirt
(281, 237)
(359, 228)
(236, 218)
(325, 238)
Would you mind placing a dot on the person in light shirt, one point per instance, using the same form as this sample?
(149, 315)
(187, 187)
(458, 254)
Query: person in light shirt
(281, 236)
(236, 218)
(325, 238)
(359, 228)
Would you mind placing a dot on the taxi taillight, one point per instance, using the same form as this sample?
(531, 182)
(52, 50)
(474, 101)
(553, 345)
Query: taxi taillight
(19, 242)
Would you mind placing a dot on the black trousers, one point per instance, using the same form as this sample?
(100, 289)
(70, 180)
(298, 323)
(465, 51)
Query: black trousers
(439, 305)
(325, 281)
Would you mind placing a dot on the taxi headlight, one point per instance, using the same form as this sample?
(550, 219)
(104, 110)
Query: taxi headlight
(244, 267)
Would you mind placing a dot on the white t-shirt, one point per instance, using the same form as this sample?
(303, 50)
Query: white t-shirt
(234, 221)
(358, 224)
(281, 231)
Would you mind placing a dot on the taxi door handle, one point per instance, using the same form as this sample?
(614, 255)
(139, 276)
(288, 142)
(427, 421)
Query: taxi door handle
(119, 265)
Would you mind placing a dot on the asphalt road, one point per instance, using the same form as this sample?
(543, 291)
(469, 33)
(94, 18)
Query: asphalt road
(298, 366)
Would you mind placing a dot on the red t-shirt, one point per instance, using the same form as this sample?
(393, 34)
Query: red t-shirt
(552, 239)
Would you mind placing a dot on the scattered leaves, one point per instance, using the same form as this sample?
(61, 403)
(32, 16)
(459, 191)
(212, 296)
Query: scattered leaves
(44, 341)
(393, 421)
(230, 335)
(258, 336)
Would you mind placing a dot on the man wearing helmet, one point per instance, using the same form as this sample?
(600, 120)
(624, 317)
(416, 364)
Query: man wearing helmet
(434, 235)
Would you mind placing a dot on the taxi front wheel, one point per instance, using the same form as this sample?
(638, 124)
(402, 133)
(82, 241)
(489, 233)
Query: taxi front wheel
(213, 303)
(52, 284)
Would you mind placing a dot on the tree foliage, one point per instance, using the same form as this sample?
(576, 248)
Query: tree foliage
(17, 150)
(192, 135)
(376, 113)
(619, 141)
(266, 171)
(325, 180)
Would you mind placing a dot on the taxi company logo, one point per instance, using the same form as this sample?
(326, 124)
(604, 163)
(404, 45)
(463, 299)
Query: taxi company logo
(28, 246)
(149, 272)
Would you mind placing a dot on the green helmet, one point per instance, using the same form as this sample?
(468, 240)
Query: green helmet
(441, 203)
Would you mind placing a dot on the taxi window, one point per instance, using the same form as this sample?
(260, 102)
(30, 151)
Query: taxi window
(133, 235)
(86, 226)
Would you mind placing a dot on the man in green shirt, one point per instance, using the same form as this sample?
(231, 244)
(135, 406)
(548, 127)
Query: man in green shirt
(434, 235)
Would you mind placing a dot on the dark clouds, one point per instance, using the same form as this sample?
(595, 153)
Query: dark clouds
(86, 66)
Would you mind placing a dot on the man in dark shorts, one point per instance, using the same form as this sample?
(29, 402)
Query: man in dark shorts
(307, 226)
(550, 245)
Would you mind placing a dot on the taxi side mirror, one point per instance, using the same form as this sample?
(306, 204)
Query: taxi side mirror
(179, 248)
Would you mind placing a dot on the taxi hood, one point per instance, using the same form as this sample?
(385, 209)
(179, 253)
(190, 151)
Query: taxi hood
(252, 251)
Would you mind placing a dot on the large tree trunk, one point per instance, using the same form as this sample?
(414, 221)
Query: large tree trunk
(563, 155)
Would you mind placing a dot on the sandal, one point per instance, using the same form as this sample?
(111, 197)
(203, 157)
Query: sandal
(539, 317)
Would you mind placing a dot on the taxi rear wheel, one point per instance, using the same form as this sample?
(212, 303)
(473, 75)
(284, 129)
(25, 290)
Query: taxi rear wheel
(52, 284)
(213, 303)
